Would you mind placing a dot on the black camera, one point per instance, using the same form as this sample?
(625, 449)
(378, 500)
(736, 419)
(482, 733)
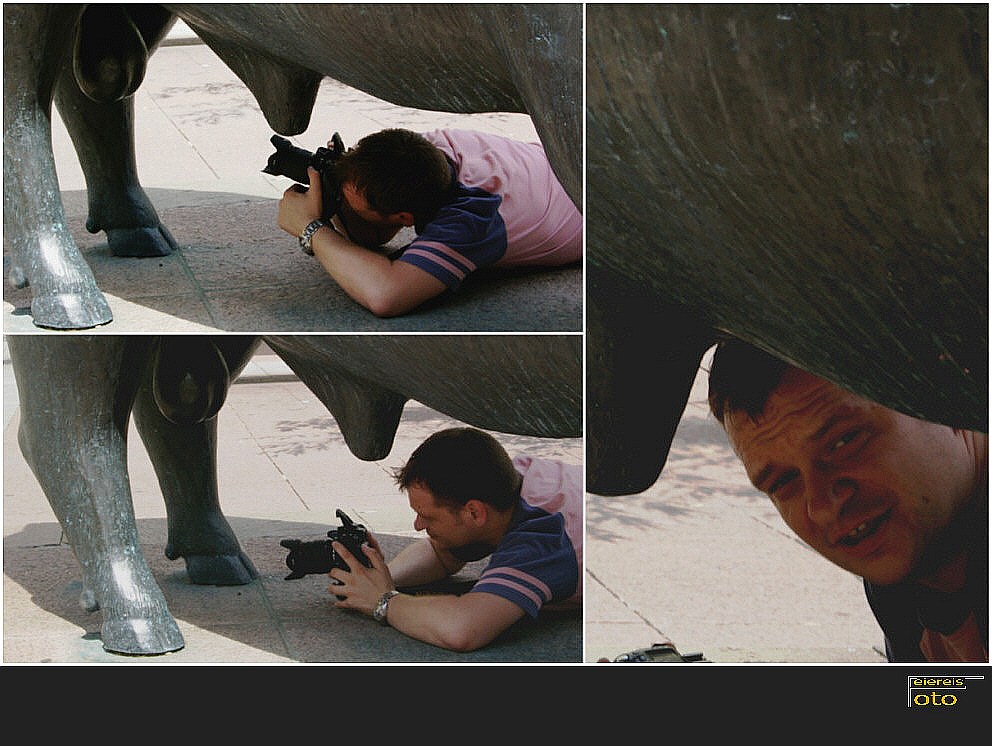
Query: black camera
(292, 162)
(660, 652)
(313, 557)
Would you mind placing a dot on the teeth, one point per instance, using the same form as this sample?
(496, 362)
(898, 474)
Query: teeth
(855, 536)
(864, 529)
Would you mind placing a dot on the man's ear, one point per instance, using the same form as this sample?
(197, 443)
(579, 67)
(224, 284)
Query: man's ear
(402, 218)
(477, 512)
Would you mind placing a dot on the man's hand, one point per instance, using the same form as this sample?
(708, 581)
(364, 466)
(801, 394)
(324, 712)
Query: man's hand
(362, 587)
(460, 623)
(300, 206)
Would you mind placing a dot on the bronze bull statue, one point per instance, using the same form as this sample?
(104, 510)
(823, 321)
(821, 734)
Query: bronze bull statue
(812, 179)
(77, 394)
(90, 59)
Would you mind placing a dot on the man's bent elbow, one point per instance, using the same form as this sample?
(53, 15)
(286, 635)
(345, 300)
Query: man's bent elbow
(470, 635)
(387, 304)
(385, 307)
(402, 290)
(465, 641)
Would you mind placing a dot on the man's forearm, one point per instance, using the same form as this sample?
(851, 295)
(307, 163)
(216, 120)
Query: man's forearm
(362, 273)
(459, 623)
(419, 564)
(384, 287)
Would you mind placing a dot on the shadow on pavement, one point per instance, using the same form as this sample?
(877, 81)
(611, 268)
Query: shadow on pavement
(270, 620)
(235, 270)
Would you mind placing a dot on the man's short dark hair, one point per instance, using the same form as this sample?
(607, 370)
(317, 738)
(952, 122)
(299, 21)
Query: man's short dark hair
(398, 171)
(461, 464)
(741, 379)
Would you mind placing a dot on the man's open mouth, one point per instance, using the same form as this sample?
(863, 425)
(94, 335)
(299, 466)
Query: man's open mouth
(864, 530)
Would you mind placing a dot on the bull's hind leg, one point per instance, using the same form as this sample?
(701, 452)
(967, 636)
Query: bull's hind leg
(101, 124)
(104, 141)
(192, 373)
(75, 396)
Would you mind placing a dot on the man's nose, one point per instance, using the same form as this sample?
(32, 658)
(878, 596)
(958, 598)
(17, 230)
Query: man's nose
(827, 497)
(418, 525)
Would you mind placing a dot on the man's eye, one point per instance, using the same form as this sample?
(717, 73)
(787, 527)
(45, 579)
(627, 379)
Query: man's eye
(845, 440)
(776, 487)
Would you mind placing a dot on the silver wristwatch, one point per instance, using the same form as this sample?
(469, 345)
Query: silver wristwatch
(307, 236)
(382, 608)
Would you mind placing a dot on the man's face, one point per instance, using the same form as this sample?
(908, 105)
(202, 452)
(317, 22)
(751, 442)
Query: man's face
(366, 226)
(358, 205)
(447, 526)
(868, 488)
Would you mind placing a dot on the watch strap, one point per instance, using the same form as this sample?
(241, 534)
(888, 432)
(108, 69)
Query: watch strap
(307, 236)
(382, 608)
